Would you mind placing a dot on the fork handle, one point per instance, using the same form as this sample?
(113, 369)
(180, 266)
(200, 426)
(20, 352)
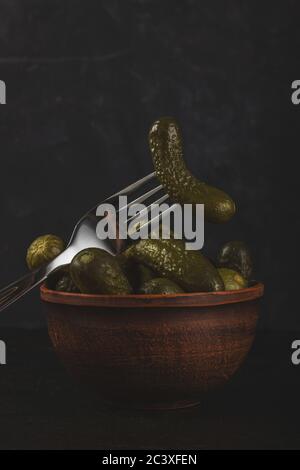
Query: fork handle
(17, 289)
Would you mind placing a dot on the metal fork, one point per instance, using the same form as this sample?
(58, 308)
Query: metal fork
(84, 236)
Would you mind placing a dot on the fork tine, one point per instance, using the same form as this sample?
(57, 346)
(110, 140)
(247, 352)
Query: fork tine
(15, 290)
(6, 294)
(142, 198)
(85, 235)
(148, 208)
(133, 187)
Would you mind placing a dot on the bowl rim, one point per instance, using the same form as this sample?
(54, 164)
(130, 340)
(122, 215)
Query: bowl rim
(194, 299)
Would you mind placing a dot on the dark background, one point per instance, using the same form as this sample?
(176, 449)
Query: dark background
(85, 80)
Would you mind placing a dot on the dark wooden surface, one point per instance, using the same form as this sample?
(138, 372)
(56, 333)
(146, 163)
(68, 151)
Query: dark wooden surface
(41, 408)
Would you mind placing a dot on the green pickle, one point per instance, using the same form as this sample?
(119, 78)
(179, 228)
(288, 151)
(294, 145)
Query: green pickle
(66, 284)
(232, 279)
(236, 255)
(165, 143)
(137, 273)
(169, 258)
(94, 271)
(160, 285)
(155, 265)
(43, 250)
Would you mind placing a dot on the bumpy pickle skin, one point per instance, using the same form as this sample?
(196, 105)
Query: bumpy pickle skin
(233, 280)
(65, 284)
(94, 271)
(136, 273)
(60, 280)
(169, 259)
(161, 286)
(165, 143)
(43, 250)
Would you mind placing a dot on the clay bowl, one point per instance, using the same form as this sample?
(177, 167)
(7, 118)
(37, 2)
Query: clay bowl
(153, 351)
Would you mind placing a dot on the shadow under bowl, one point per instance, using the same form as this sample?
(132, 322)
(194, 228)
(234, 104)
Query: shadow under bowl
(152, 351)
